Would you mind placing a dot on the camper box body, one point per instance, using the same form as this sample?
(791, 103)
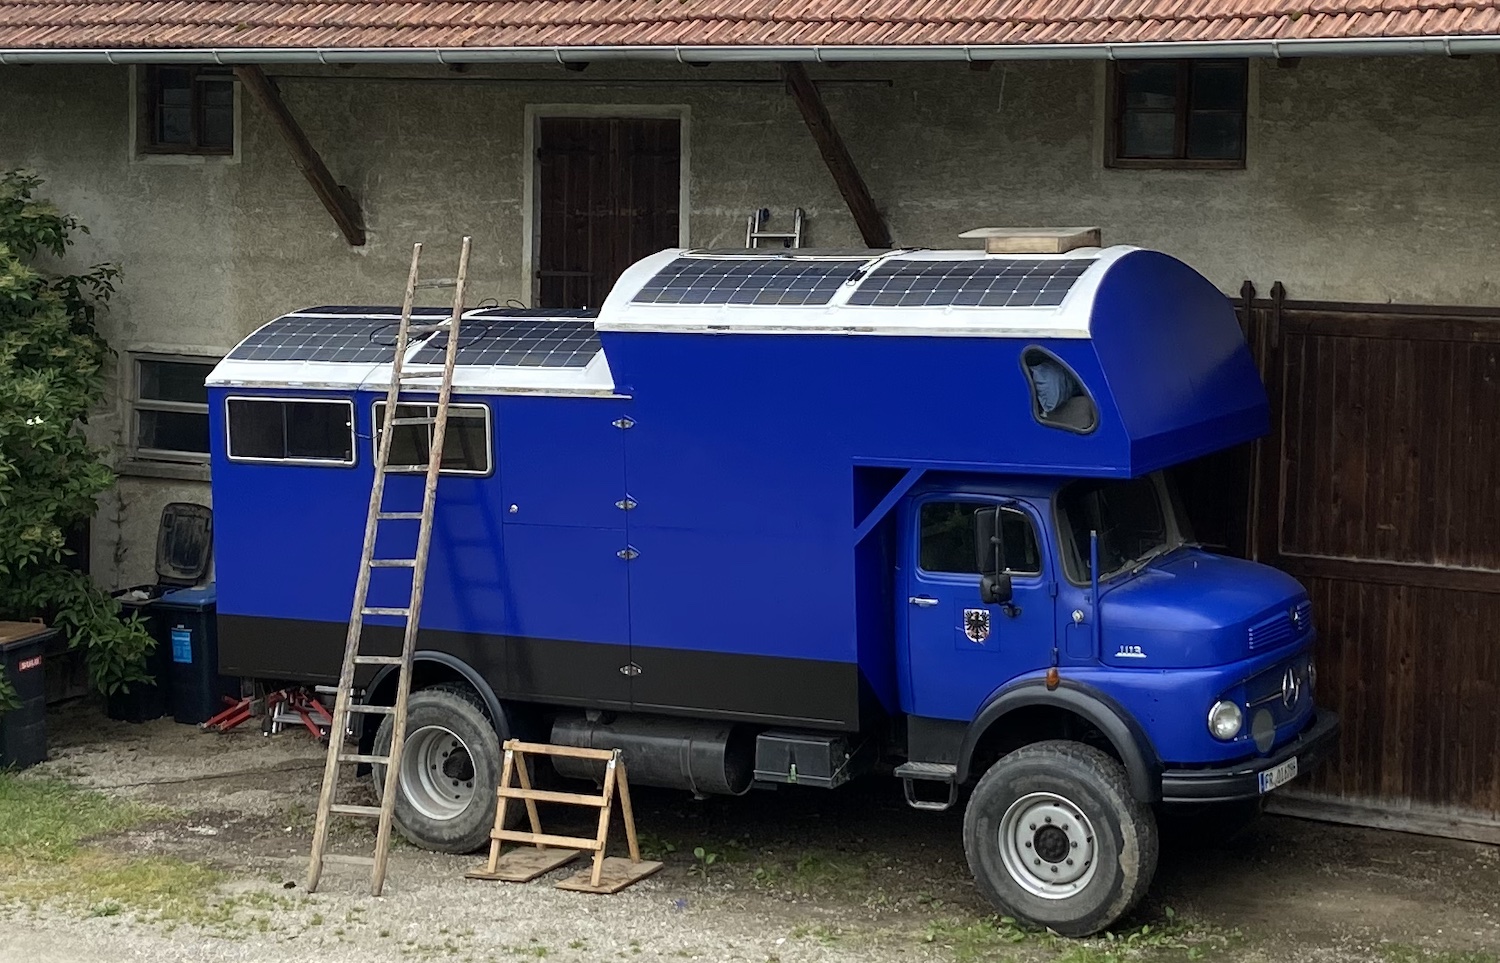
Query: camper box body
(704, 501)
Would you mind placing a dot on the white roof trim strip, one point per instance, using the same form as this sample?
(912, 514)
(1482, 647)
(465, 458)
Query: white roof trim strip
(1070, 319)
(593, 380)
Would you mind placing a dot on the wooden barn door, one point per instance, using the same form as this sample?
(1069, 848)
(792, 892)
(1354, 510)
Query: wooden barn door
(1380, 490)
(607, 196)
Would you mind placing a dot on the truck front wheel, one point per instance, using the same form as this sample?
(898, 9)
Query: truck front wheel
(1054, 838)
(449, 768)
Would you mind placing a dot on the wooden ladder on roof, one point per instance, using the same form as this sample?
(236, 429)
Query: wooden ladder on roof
(403, 380)
(608, 874)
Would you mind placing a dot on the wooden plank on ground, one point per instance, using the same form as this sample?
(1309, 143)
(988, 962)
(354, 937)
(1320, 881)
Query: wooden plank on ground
(616, 873)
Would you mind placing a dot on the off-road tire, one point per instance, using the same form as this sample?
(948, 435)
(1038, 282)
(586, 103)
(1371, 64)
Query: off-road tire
(460, 710)
(1124, 842)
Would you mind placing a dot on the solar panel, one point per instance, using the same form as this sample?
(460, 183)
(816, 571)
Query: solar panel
(780, 281)
(989, 283)
(353, 335)
(504, 340)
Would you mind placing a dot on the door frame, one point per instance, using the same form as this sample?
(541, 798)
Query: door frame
(531, 221)
(911, 573)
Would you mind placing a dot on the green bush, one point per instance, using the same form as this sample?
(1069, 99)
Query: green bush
(51, 375)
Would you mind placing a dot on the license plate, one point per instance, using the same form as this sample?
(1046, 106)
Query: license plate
(1278, 775)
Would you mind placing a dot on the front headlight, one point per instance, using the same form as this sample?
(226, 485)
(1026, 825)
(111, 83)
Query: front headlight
(1225, 720)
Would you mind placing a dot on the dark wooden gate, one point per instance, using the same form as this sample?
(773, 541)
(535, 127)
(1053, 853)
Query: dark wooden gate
(1379, 488)
(608, 195)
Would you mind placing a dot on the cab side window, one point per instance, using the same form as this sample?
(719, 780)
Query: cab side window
(946, 541)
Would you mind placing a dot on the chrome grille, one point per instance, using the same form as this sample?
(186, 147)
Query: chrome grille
(1281, 628)
(1269, 689)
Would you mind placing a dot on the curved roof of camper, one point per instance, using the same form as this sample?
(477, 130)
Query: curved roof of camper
(920, 293)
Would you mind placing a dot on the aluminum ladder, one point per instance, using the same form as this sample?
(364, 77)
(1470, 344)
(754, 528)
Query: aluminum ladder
(403, 381)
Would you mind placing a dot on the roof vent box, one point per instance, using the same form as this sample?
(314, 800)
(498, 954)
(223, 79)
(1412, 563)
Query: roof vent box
(1034, 240)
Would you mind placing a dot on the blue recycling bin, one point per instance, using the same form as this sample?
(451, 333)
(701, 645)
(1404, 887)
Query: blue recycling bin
(187, 621)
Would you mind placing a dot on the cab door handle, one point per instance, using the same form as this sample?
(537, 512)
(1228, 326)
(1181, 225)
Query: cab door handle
(926, 601)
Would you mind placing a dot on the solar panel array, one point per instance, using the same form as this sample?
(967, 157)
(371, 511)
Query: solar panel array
(787, 282)
(502, 337)
(365, 337)
(987, 282)
(494, 339)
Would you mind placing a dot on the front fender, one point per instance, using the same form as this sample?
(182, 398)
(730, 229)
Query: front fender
(1129, 740)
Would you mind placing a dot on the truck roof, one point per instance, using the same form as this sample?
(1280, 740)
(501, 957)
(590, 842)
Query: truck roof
(910, 293)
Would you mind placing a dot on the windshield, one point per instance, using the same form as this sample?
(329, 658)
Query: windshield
(1132, 520)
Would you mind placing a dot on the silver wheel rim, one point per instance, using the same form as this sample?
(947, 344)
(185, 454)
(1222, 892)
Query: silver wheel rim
(437, 773)
(1048, 846)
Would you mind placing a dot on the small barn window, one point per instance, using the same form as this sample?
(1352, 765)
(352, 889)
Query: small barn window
(466, 442)
(1058, 398)
(1178, 113)
(313, 431)
(171, 408)
(189, 110)
(946, 542)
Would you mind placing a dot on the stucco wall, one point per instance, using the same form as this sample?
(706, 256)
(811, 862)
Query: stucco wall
(1369, 180)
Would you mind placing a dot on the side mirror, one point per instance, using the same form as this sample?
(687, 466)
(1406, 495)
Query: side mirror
(995, 589)
(989, 547)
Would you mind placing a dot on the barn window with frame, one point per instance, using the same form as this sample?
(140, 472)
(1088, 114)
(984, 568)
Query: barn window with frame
(171, 408)
(1178, 113)
(188, 110)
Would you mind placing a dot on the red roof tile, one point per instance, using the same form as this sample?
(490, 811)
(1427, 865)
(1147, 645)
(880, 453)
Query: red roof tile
(119, 24)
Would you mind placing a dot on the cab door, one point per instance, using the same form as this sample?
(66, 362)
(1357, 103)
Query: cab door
(959, 650)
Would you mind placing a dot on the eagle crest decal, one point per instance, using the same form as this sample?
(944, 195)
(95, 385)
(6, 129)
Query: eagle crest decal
(977, 625)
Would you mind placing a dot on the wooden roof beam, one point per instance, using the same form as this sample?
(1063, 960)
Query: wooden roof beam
(867, 216)
(340, 204)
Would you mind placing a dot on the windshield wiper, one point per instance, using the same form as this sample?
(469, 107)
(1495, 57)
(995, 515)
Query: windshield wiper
(1152, 555)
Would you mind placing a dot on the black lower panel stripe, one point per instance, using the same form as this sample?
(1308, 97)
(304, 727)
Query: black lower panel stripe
(763, 688)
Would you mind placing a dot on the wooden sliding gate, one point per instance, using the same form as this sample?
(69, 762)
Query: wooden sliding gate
(1379, 488)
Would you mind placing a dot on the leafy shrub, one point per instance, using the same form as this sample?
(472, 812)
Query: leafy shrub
(51, 375)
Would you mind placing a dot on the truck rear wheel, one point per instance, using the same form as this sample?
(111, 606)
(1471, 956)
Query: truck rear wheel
(1054, 838)
(449, 768)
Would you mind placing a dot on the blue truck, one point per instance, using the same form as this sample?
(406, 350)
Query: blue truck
(794, 517)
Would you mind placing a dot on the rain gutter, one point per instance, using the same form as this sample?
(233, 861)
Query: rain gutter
(1451, 46)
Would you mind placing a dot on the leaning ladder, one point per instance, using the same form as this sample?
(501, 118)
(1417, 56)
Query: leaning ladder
(402, 381)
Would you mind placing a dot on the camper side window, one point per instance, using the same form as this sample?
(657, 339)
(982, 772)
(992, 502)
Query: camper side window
(1058, 398)
(303, 430)
(946, 542)
(466, 440)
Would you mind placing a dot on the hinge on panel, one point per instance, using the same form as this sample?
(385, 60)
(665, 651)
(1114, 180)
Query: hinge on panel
(628, 553)
(625, 504)
(623, 422)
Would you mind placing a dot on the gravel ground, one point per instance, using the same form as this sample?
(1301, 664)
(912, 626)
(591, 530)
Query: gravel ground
(800, 875)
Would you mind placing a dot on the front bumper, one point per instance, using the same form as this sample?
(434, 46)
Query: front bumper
(1241, 780)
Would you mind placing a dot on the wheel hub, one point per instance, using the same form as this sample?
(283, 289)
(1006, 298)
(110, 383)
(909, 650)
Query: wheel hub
(437, 772)
(1047, 845)
(1051, 843)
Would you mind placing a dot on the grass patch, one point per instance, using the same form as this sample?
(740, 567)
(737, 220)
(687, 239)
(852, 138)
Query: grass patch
(45, 821)
(1000, 938)
(1402, 953)
(818, 872)
(105, 884)
(45, 828)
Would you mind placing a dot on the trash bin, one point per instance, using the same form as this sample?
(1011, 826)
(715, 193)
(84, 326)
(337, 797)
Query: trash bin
(23, 730)
(188, 622)
(183, 542)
